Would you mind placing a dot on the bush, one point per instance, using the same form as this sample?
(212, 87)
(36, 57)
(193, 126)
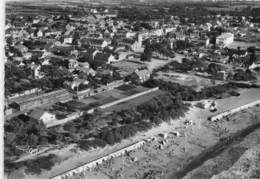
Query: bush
(244, 76)
(34, 166)
(87, 144)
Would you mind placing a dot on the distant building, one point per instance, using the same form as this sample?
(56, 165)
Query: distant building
(224, 39)
(74, 85)
(94, 43)
(72, 64)
(29, 102)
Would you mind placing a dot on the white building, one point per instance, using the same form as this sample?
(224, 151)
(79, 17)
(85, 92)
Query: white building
(42, 115)
(224, 39)
(68, 40)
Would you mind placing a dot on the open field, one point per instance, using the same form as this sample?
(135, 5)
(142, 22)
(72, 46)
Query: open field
(187, 79)
(106, 97)
(133, 102)
(156, 63)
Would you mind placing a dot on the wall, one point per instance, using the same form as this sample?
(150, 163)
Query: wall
(94, 163)
(232, 111)
(128, 98)
(63, 121)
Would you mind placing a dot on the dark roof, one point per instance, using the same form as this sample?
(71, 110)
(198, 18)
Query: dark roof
(92, 41)
(127, 41)
(36, 113)
(102, 57)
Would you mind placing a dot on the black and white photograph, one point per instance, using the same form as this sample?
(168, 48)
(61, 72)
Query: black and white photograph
(130, 89)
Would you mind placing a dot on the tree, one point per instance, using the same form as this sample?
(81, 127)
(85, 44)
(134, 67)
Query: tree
(147, 54)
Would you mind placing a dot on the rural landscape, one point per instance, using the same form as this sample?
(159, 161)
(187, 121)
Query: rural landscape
(141, 89)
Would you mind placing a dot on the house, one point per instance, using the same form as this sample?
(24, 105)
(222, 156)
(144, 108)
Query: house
(36, 71)
(68, 40)
(94, 43)
(29, 102)
(72, 64)
(41, 115)
(87, 57)
(83, 63)
(62, 49)
(103, 58)
(74, 85)
(132, 44)
(140, 76)
(95, 35)
(21, 48)
(224, 39)
(27, 56)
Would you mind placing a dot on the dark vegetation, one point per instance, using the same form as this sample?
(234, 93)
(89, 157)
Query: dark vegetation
(89, 130)
(22, 130)
(34, 166)
(246, 75)
(135, 13)
(126, 123)
(189, 12)
(186, 66)
(19, 79)
(188, 94)
(212, 69)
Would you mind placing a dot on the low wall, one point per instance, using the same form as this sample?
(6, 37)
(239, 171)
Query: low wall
(63, 121)
(128, 98)
(232, 111)
(98, 161)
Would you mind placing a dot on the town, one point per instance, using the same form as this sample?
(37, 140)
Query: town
(91, 83)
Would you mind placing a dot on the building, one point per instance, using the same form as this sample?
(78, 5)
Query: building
(82, 94)
(41, 115)
(74, 85)
(29, 102)
(96, 43)
(68, 40)
(36, 71)
(140, 76)
(134, 44)
(72, 64)
(224, 39)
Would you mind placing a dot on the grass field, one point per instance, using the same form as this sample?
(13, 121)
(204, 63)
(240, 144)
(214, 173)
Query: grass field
(108, 97)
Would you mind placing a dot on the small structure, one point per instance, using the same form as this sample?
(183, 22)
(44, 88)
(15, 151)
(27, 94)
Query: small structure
(41, 115)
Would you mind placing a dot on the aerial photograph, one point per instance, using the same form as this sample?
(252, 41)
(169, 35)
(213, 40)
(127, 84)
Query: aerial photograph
(131, 89)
